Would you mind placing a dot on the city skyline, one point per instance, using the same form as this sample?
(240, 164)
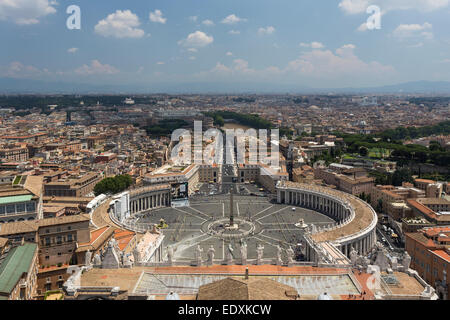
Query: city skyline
(254, 46)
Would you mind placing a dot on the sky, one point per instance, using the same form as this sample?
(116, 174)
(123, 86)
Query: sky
(309, 43)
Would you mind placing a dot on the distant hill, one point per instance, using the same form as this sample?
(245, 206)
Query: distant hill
(11, 85)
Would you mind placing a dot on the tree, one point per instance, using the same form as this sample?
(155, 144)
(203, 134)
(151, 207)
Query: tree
(363, 151)
(113, 185)
(400, 176)
(379, 208)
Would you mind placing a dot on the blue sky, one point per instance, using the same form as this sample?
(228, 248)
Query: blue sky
(309, 43)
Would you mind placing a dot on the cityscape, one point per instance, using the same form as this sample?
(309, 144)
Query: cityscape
(304, 182)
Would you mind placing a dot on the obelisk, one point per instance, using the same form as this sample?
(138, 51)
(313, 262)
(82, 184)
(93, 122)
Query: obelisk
(231, 208)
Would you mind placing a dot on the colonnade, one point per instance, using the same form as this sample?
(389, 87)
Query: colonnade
(149, 201)
(338, 209)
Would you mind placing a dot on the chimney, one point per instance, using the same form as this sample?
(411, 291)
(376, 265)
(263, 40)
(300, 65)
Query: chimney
(246, 273)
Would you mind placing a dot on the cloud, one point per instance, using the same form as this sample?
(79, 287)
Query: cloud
(233, 19)
(344, 62)
(234, 32)
(26, 12)
(320, 66)
(208, 23)
(192, 58)
(192, 50)
(362, 27)
(193, 18)
(17, 69)
(157, 17)
(313, 45)
(229, 53)
(121, 24)
(96, 68)
(360, 6)
(266, 31)
(405, 31)
(72, 50)
(196, 39)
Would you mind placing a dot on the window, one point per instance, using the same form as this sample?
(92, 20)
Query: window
(47, 241)
(69, 238)
(58, 229)
(31, 206)
(2, 210)
(69, 228)
(47, 231)
(10, 208)
(47, 257)
(59, 254)
(20, 207)
(58, 239)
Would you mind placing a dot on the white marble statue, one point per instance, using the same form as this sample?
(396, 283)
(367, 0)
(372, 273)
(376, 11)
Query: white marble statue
(198, 255)
(244, 253)
(290, 255)
(170, 254)
(97, 260)
(88, 258)
(259, 254)
(406, 261)
(278, 260)
(229, 255)
(211, 252)
(353, 256)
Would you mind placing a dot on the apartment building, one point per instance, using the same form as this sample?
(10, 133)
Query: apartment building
(18, 272)
(21, 200)
(429, 249)
(73, 186)
(345, 178)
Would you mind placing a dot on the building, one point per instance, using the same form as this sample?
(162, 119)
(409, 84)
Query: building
(385, 195)
(73, 187)
(18, 272)
(429, 249)
(229, 282)
(57, 239)
(17, 153)
(436, 217)
(345, 178)
(21, 200)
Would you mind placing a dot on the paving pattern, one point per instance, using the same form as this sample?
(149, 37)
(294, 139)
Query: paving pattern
(275, 225)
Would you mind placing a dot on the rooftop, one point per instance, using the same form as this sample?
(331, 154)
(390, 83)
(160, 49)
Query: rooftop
(17, 262)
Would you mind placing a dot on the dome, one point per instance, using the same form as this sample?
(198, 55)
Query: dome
(314, 108)
(324, 296)
(172, 296)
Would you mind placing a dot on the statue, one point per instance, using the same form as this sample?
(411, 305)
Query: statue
(88, 258)
(394, 263)
(198, 255)
(290, 255)
(127, 263)
(278, 260)
(229, 255)
(259, 254)
(137, 256)
(244, 253)
(353, 256)
(406, 261)
(211, 252)
(382, 259)
(97, 260)
(170, 254)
